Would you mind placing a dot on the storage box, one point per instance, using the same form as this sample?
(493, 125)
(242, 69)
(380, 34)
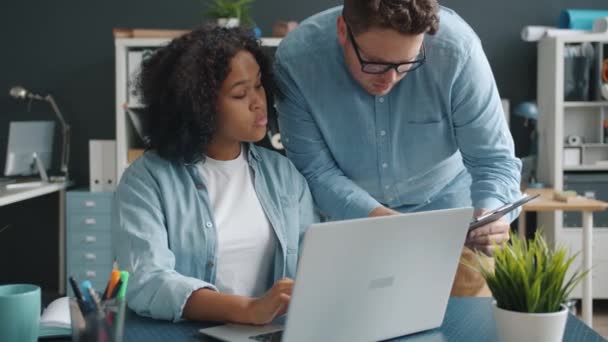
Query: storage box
(591, 185)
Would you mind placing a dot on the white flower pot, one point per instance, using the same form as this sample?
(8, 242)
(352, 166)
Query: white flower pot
(228, 22)
(512, 326)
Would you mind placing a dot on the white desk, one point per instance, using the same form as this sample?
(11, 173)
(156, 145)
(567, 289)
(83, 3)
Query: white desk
(10, 196)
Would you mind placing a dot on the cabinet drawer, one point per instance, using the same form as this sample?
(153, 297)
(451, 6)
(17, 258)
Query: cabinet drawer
(599, 283)
(86, 257)
(89, 202)
(89, 240)
(88, 222)
(98, 276)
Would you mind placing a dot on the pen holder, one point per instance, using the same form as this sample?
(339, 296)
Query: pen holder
(105, 324)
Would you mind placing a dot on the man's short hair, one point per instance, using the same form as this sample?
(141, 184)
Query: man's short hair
(405, 16)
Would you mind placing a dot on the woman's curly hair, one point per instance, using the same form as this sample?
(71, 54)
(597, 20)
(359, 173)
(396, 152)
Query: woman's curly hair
(180, 84)
(405, 16)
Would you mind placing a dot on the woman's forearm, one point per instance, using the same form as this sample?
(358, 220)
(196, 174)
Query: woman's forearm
(210, 305)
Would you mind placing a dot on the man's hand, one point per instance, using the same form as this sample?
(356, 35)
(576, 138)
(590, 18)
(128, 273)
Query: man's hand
(487, 238)
(273, 304)
(382, 211)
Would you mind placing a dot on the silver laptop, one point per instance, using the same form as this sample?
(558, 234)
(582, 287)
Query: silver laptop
(368, 279)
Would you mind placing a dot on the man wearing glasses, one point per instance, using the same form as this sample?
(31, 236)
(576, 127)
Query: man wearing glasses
(390, 106)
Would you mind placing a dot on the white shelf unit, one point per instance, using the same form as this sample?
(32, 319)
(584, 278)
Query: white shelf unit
(126, 135)
(559, 119)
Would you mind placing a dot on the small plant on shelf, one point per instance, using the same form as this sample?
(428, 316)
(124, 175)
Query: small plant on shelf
(231, 13)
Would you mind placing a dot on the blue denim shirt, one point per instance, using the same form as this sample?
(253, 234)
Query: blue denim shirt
(165, 235)
(438, 139)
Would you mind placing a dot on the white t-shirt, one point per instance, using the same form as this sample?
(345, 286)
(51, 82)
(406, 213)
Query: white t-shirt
(246, 241)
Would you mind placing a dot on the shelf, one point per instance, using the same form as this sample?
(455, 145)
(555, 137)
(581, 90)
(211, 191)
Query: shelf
(589, 145)
(134, 106)
(596, 145)
(586, 168)
(599, 37)
(594, 104)
(150, 42)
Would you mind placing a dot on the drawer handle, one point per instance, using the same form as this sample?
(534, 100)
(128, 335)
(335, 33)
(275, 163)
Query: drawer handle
(90, 256)
(90, 238)
(90, 274)
(89, 204)
(90, 221)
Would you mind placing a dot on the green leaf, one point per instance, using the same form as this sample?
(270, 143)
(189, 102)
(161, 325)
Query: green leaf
(529, 276)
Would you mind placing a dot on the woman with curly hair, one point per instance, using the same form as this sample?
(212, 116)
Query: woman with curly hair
(209, 224)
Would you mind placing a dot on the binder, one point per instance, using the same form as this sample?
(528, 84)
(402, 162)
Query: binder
(102, 165)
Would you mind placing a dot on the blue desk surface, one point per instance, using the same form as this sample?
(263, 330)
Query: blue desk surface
(466, 319)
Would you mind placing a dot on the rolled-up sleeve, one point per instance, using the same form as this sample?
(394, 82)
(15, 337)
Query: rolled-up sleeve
(483, 135)
(336, 195)
(141, 246)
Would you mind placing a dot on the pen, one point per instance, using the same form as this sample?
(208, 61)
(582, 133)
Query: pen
(85, 285)
(95, 299)
(124, 278)
(77, 293)
(114, 278)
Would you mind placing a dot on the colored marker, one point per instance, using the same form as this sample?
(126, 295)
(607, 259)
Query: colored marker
(114, 278)
(124, 278)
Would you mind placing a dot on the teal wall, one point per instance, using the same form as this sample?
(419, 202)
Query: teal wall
(65, 47)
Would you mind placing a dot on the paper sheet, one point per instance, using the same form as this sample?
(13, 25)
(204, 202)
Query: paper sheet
(536, 33)
(55, 319)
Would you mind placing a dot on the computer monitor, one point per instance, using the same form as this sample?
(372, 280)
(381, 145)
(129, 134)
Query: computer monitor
(30, 148)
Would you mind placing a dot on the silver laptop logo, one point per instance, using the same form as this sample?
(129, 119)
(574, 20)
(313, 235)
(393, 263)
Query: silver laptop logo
(380, 283)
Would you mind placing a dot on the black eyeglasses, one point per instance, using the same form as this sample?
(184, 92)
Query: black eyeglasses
(381, 68)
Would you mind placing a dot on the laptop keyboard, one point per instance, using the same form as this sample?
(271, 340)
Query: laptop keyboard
(274, 336)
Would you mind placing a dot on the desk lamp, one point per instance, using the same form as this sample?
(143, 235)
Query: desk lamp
(529, 111)
(21, 93)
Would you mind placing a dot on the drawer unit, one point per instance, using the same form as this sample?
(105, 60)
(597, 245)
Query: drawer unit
(88, 237)
(572, 239)
(592, 185)
(89, 202)
(89, 222)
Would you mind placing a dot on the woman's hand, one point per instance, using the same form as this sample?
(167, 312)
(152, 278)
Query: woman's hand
(274, 303)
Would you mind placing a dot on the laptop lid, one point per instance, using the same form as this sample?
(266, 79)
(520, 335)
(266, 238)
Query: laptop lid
(376, 278)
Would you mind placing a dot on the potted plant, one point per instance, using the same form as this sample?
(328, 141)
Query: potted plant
(230, 13)
(528, 282)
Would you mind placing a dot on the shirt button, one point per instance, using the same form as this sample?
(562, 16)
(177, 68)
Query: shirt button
(209, 224)
(384, 165)
(387, 187)
(381, 100)
(382, 133)
(210, 264)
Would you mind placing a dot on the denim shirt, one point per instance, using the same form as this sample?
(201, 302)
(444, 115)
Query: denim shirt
(165, 235)
(441, 128)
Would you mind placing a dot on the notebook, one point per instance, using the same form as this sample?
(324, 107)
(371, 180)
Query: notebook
(55, 319)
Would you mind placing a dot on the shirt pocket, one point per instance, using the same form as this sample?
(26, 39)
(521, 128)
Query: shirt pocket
(427, 116)
(427, 144)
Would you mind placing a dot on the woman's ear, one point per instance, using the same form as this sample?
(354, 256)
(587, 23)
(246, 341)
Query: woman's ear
(342, 33)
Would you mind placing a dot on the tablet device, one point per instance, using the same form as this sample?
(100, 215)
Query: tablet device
(495, 214)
